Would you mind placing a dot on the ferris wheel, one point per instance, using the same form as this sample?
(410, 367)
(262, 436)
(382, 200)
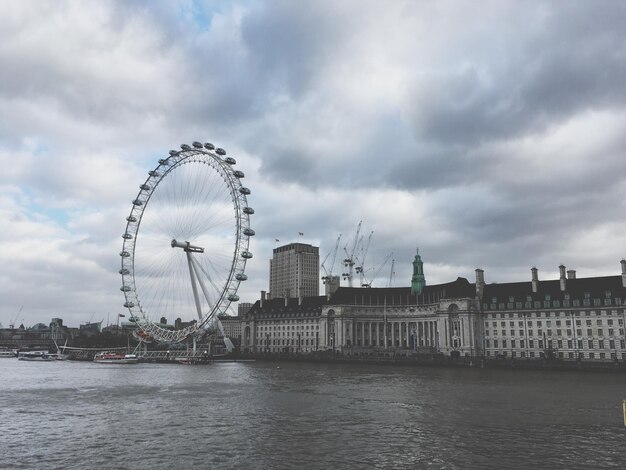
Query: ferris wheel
(186, 243)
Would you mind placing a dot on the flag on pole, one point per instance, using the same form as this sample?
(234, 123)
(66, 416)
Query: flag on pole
(301, 234)
(121, 315)
(276, 240)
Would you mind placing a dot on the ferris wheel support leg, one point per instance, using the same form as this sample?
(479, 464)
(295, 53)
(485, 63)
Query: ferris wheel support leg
(205, 291)
(193, 284)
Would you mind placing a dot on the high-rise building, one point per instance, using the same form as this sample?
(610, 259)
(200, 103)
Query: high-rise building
(295, 271)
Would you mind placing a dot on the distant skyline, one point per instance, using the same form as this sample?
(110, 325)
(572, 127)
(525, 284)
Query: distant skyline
(490, 136)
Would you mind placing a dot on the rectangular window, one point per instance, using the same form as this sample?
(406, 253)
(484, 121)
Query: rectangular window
(531, 343)
(600, 332)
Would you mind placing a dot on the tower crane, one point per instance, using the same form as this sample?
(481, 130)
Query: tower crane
(349, 261)
(369, 284)
(361, 268)
(328, 273)
(392, 274)
(12, 324)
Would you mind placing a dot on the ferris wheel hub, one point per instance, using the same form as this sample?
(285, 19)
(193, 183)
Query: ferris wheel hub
(186, 246)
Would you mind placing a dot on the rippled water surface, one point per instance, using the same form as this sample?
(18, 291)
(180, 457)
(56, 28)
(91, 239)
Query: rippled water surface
(299, 415)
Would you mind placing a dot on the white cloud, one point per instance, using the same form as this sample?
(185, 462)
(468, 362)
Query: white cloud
(489, 137)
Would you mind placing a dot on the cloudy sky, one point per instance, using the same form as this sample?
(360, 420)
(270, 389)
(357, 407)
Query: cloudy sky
(490, 134)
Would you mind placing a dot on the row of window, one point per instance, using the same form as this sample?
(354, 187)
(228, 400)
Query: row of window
(288, 327)
(559, 332)
(529, 323)
(570, 344)
(562, 355)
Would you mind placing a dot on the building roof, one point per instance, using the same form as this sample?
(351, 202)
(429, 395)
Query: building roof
(595, 287)
(306, 307)
(461, 288)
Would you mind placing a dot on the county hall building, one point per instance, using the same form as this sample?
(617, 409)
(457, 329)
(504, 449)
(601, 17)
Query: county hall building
(569, 318)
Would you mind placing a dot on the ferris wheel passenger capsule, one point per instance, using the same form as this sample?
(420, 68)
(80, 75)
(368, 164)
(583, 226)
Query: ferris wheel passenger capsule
(233, 298)
(244, 190)
(129, 304)
(197, 145)
(248, 210)
(154, 173)
(238, 174)
(125, 288)
(220, 151)
(127, 236)
(249, 232)
(246, 254)
(138, 202)
(241, 277)
(145, 187)
(209, 146)
(230, 160)
(185, 147)
(173, 152)
(124, 254)
(131, 218)
(164, 161)
(124, 272)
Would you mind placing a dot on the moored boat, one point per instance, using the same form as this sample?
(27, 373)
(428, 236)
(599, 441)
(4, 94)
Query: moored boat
(115, 358)
(35, 356)
(8, 353)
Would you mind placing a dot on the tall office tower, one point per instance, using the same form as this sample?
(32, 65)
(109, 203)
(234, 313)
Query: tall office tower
(295, 271)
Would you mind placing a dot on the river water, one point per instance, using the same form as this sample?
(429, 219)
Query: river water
(262, 415)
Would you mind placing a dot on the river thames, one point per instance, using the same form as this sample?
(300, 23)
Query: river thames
(261, 415)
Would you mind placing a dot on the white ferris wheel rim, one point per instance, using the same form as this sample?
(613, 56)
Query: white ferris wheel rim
(215, 159)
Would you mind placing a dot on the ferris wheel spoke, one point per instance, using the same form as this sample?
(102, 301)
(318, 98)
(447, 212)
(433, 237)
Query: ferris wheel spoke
(195, 196)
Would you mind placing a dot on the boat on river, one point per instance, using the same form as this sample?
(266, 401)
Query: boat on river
(35, 356)
(115, 358)
(8, 353)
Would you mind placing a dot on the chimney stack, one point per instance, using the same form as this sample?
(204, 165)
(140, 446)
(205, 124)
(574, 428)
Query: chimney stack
(480, 283)
(623, 272)
(535, 279)
(262, 299)
(562, 277)
(571, 274)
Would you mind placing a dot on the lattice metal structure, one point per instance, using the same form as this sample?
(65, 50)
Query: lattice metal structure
(186, 243)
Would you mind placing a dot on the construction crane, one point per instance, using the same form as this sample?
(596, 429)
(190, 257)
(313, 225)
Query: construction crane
(12, 324)
(369, 284)
(392, 274)
(328, 273)
(360, 270)
(349, 261)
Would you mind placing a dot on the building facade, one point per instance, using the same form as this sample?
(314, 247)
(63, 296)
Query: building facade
(283, 325)
(295, 271)
(570, 318)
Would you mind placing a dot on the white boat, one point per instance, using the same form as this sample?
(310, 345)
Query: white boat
(115, 358)
(35, 356)
(8, 353)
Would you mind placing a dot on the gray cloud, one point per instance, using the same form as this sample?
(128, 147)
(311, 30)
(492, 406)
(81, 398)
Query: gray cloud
(489, 138)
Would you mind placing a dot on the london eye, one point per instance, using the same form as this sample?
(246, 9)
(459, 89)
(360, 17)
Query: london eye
(186, 244)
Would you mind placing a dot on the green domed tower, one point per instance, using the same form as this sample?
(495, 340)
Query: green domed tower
(418, 281)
